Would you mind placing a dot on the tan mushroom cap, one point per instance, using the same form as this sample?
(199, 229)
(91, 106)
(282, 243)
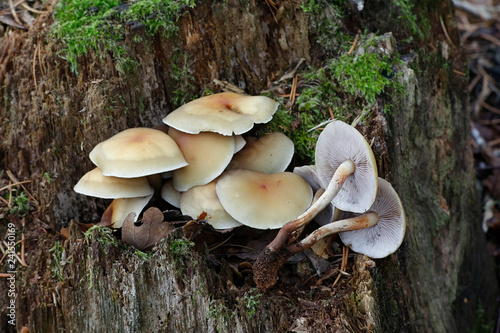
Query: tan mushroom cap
(137, 152)
(118, 210)
(340, 142)
(385, 237)
(225, 113)
(207, 153)
(95, 184)
(204, 198)
(263, 201)
(271, 153)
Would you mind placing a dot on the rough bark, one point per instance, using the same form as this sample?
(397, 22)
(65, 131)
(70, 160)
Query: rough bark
(436, 282)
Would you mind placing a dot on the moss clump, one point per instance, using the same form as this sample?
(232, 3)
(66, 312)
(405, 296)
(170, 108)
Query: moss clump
(102, 25)
(344, 87)
(405, 13)
(102, 235)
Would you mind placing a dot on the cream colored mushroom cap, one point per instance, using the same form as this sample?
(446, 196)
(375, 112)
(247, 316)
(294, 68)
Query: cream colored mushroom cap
(137, 152)
(170, 194)
(204, 198)
(263, 201)
(337, 143)
(239, 143)
(386, 236)
(118, 210)
(95, 184)
(225, 113)
(269, 154)
(207, 155)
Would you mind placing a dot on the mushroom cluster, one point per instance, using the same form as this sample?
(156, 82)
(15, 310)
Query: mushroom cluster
(350, 198)
(202, 165)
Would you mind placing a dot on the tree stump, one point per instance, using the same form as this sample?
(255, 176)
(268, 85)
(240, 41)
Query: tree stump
(440, 280)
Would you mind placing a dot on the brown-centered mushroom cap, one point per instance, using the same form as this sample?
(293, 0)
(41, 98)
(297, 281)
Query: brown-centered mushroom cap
(204, 198)
(386, 236)
(269, 154)
(263, 201)
(207, 153)
(137, 152)
(225, 113)
(340, 142)
(95, 184)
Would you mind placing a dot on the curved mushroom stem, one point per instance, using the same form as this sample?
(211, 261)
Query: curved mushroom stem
(359, 222)
(345, 169)
(270, 261)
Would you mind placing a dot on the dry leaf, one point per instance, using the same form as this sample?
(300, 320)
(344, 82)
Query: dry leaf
(151, 230)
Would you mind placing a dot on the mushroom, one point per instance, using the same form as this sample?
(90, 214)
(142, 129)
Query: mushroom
(137, 152)
(308, 172)
(118, 210)
(346, 166)
(225, 113)
(170, 194)
(207, 155)
(239, 143)
(204, 198)
(263, 201)
(341, 144)
(377, 234)
(95, 184)
(271, 153)
(345, 163)
(386, 236)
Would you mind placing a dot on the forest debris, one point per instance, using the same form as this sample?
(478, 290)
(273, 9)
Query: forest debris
(15, 180)
(486, 12)
(272, 8)
(152, 230)
(354, 44)
(343, 265)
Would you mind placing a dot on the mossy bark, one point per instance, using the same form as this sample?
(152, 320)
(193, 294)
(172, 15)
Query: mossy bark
(437, 280)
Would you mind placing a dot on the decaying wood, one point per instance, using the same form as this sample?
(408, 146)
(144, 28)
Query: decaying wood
(436, 282)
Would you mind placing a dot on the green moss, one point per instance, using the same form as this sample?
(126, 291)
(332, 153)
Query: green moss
(58, 260)
(102, 235)
(481, 325)
(346, 86)
(325, 21)
(252, 302)
(20, 203)
(102, 26)
(181, 74)
(220, 313)
(181, 248)
(408, 18)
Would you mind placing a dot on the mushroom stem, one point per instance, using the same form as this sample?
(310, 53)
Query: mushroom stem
(344, 170)
(270, 261)
(359, 222)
